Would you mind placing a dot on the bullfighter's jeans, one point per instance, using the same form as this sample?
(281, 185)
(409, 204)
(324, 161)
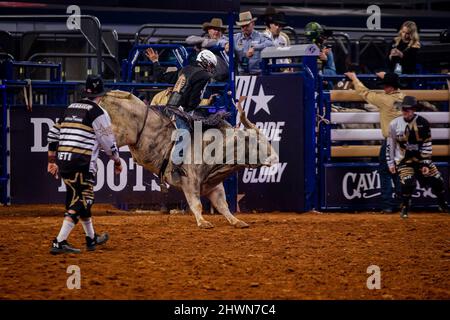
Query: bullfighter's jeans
(386, 179)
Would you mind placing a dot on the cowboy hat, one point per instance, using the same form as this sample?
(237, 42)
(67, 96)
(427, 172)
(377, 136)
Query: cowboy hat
(94, 87)
(245, 18)
(278, 18)
(271, 15)
(407, 103)
(270, 11)
(215, 23)
(390, 79)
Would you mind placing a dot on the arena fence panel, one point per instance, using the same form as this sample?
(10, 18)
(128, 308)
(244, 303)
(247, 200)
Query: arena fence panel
(348, 157)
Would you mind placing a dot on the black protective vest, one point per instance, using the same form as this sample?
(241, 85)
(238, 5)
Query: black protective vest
(182, 94)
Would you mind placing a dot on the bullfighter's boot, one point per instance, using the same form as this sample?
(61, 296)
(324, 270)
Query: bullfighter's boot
(91, 244)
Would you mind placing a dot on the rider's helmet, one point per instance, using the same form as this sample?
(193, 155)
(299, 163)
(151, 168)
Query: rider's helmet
(207, 60)
(313, 31)
(317, 33)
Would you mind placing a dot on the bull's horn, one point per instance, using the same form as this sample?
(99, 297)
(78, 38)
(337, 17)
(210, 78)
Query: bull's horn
(243, 118)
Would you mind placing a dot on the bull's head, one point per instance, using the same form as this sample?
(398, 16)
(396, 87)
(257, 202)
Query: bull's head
(267, 155)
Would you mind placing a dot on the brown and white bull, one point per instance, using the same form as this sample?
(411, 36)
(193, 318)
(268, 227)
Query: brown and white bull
(148, 133)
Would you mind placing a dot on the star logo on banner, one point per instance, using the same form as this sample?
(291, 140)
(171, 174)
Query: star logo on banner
(262, 101)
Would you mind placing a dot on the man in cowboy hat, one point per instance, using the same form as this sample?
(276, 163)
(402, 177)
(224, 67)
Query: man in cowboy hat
(74, 143)
(215, 32)
(409, 153)
(275, 21)
(385, 101)
(248, 45)
(215, 40)
(214, 35)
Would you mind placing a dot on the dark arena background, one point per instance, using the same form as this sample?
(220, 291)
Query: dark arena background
(317, 226)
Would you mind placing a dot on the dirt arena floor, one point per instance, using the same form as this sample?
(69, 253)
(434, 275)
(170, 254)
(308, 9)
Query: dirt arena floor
(281, 256)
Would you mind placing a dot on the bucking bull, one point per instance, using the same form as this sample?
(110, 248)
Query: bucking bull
(148, 131)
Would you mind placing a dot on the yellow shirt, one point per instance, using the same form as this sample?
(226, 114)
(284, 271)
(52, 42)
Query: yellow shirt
(384, 101)
(161, 98)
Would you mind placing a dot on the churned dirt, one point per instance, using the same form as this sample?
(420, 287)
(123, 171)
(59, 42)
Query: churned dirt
(281, 256)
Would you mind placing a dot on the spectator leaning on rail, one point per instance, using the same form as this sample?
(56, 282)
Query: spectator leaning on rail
(74, 143)
(214, 35)
(275, 21)
(403, 55)
(214, 39)
(248, 45)
(385, 101)
(409, 153)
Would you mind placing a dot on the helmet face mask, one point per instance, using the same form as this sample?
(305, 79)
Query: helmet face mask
(211, 68)
(207, 60)
(207, 65)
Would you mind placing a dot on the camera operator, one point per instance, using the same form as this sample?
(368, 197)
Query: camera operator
(318, 35)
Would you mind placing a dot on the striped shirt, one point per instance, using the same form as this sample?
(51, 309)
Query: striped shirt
(78, 136)
(408, 141)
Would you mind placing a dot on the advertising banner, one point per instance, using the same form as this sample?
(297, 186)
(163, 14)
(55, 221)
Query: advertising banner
(359, 187)
(30, 182)
(275, 104)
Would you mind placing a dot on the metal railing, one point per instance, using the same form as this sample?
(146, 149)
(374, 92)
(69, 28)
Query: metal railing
(97, 43)
(115, 66)
(25, 66)
(178, 51)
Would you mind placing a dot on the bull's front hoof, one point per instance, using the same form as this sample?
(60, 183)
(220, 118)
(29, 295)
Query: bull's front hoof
(206, 225)
(241, 224)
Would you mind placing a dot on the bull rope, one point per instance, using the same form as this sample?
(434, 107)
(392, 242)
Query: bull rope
(143, 126)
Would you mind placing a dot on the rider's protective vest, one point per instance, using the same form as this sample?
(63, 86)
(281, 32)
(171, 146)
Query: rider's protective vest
(189, 87)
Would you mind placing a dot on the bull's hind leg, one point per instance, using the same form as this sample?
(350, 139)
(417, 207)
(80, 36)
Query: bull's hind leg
(193, 199)
(218, 200)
